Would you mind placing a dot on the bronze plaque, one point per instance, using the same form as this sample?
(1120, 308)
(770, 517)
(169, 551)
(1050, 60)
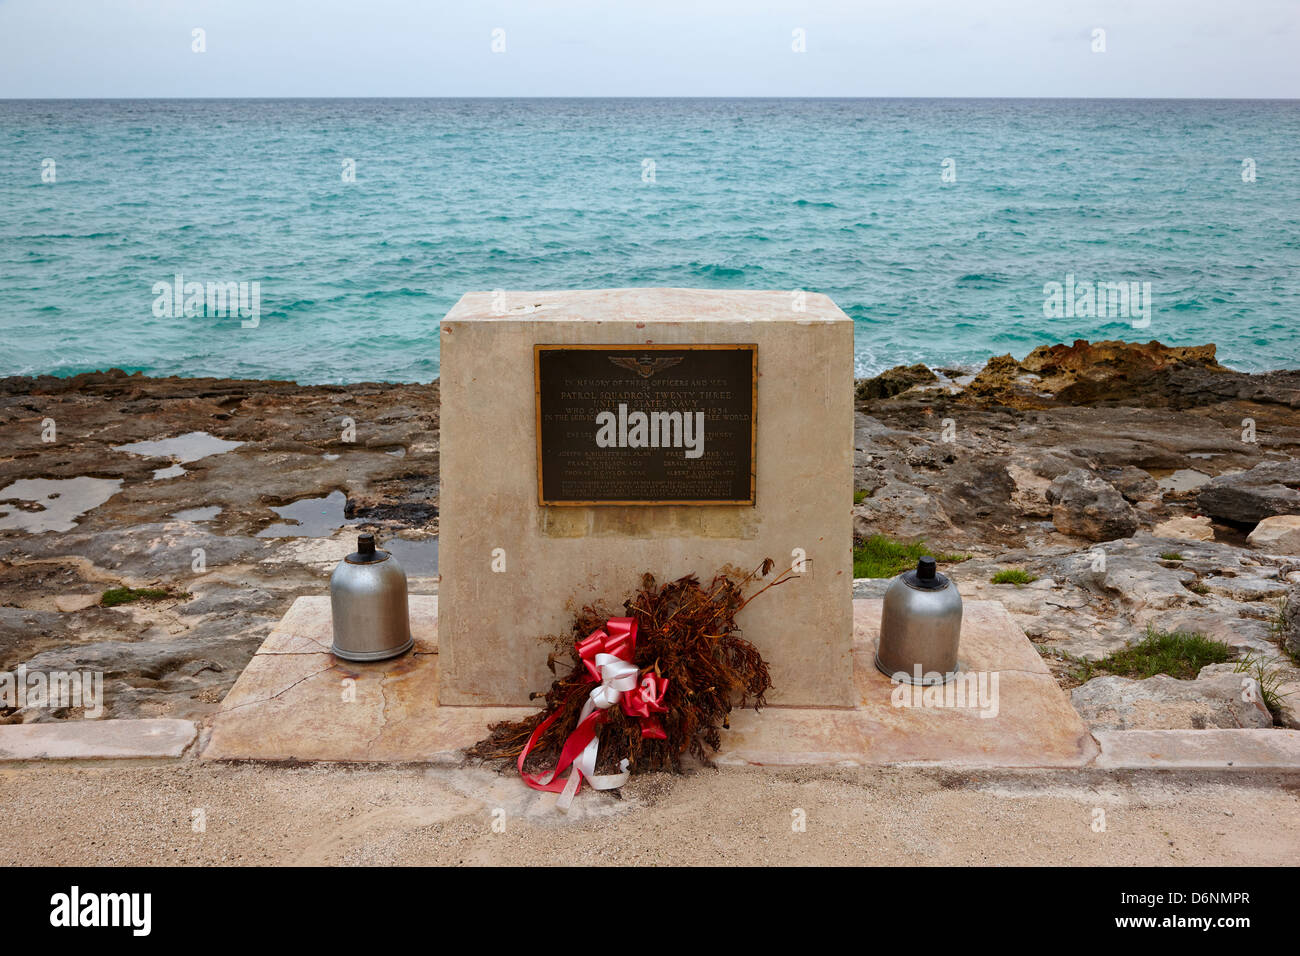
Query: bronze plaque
(645, 424)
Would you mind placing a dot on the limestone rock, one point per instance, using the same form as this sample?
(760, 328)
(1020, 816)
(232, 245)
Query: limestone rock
(1092, 371)
(1135, 484)
(1289, 623)
(1244, 588)
(1247, 497)
(1288, 706)
(897, 379)
(1108, 594)
(1030, 493)
(1089, 507)
(1188, 527)
(1215, 621)
(1089, 372)
(68, 603)
(1287, 688)
(1052, 465)
(1279, 534)
(1217, 700)
(1132, 373)
(1004, 381)
(899, 510)
(145, 676)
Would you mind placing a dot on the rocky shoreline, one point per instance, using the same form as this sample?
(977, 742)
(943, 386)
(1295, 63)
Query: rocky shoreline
(331, 459)
(1139, 486)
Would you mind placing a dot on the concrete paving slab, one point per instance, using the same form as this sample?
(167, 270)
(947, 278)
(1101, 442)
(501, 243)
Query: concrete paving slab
(1007, 712)
(296, 701)
(158, 737)
(1230, 749)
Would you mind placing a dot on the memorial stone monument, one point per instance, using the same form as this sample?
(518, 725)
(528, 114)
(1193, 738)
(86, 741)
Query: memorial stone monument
(590, 436)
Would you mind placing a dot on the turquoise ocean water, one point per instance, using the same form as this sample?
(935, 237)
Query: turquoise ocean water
(844, 197)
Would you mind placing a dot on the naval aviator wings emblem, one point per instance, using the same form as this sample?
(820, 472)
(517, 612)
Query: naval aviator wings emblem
(643, 365)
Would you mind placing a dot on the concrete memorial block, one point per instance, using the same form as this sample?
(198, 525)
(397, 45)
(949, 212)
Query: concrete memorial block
(590, 436)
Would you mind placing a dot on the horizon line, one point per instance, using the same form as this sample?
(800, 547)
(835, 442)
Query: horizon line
(1192, 99)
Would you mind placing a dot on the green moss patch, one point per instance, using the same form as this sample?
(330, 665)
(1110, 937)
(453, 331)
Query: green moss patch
(115, 596)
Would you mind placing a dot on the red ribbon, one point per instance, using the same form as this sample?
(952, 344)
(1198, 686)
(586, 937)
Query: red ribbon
(646, 700)
(617, 639)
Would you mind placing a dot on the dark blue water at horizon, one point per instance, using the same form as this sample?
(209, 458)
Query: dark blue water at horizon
(844, 197)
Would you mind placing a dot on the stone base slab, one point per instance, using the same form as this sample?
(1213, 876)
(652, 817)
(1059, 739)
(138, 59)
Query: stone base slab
(1230, 749)
(156, 738)
(295, 701)
(1030, 721)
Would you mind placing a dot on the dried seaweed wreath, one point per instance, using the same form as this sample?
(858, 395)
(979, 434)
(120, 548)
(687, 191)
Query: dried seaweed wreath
(691, 667)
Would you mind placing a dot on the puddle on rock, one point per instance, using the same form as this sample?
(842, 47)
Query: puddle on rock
(418, 559)
(182, 449)
(322, 517)
(1181, 480)
(206, 513)
(175, 471)
(310, 517)
(59, 502)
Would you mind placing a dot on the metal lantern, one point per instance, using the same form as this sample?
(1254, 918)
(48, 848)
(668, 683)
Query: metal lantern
(920, 626)
(368, 601)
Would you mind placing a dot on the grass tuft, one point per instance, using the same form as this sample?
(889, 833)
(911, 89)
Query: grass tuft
(1179, 654)
(1013, 576)
(882, 557)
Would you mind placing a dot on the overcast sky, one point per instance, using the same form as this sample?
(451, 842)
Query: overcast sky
(1177, 48)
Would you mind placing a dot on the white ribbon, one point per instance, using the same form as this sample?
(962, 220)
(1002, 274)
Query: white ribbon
(616, 676)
